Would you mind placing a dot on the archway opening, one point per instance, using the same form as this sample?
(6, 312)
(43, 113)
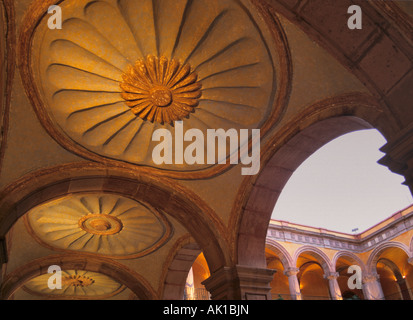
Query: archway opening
(280, 289)
(281, 162)
(199, 272)
(345, 275)
(313, 285)
(396, 274)
(341, 186)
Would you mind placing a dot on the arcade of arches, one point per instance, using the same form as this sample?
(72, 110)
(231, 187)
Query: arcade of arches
(79, 188)
(314, 263)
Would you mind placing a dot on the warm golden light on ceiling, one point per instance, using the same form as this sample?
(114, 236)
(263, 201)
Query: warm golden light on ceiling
(161, 90)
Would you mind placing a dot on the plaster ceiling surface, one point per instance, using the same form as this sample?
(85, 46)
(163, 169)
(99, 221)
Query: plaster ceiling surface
(407, 6)
(26, 246)
(119, 70)
(104, 224)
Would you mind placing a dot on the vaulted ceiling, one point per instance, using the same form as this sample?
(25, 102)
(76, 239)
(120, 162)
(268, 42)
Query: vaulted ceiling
(79, 187)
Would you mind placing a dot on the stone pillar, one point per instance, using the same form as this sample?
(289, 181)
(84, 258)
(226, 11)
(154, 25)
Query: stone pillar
(240, 283)
(335, 291)
(399, 155)
(295, 291)
(372, 288)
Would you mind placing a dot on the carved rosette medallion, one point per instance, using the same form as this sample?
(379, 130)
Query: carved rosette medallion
(77, 280)
(118, 70)
(102, 224)
(160, 90)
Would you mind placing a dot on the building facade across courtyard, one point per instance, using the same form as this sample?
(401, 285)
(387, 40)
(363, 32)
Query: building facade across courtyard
(318, 264)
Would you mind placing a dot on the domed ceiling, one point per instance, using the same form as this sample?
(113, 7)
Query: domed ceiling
(103, 224)
(75, 284)
(119, 70)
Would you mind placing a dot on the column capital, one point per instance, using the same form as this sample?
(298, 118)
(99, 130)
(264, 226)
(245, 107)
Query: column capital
(410, 260)
(331, 275)
(293, 283)
(371, 277)
(291, 271)
(372, 287)
(334, 288)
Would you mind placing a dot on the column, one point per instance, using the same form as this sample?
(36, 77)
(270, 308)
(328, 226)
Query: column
(295, 291)
(372, 288)
(240, 283)
(410, 261)
(335, 291)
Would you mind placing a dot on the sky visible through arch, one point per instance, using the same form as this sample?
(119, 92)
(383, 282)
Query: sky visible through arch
(341, 187)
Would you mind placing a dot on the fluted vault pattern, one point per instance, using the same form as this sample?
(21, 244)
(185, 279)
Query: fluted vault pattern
(228, 72)
(75, 284)
(104, 224)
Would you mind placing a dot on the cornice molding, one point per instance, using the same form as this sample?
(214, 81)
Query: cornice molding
(351, 243)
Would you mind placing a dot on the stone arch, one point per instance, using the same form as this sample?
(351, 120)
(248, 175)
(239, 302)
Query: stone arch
(179, 264)
(345, 274)
(318, 255)
(314, 273)
(392, 280)
(375, 254)
(393, 267)
(353, 257)
(380, 57)
(284, 153)
(118, 272)
(360, 53)
(282, 253)
(285, 276)
(162, 194)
